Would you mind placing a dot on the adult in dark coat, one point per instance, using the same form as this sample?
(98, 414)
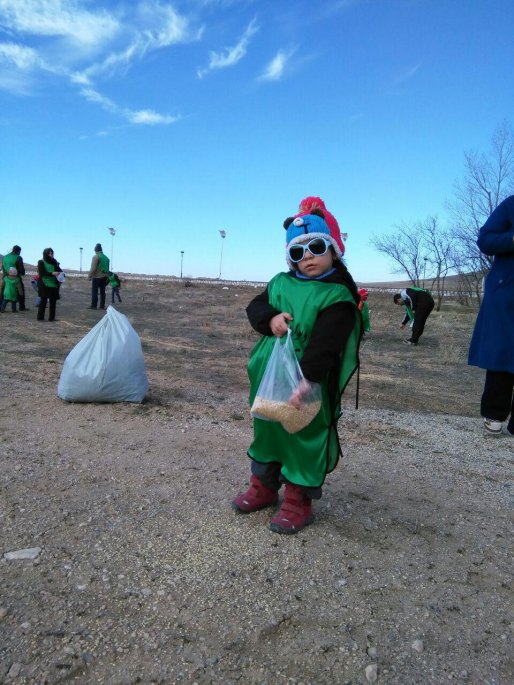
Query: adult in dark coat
(492, 343)
(48, 286)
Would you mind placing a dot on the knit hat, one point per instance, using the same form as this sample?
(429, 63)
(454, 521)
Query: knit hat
(98, 247)
(307, 227)
(310, 203)
(13, 271)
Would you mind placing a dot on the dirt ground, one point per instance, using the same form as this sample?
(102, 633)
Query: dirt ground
(145, 575)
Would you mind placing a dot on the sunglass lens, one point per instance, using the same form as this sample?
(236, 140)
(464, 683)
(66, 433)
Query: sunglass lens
(296, 253)
(317, 247)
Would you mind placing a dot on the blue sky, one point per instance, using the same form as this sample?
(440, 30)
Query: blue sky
(171, 121)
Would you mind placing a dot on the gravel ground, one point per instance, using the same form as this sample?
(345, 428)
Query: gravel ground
(143, 574)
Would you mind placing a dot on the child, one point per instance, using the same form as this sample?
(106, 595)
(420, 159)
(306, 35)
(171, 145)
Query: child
(12, 289)
(115, 284)
(317, 300)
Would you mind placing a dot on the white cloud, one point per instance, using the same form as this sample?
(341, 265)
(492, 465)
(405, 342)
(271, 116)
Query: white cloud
(64, 18)
(275, 69)
(406, 75)
(58, 35)
(146, 116)
(230, 56)
(21, 56)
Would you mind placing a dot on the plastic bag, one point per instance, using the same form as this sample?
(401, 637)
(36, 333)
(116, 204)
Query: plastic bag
(283, 379)
(107, 365)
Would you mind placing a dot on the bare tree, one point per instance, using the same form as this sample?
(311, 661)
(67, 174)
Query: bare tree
(416, 246)
(439, 254)
(404, 248)
(488, 179)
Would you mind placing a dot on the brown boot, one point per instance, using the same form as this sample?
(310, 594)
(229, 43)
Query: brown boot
(256, 497)
(295, 512)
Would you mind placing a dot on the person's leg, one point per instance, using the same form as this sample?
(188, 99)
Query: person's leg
(263, 490)
(94, 293)
(295, 512)
(13, 306)
(497, 400)
(52, 301)
(41, 308)
(420, 318)
(21, 297)
(102, 284)
(112, 295)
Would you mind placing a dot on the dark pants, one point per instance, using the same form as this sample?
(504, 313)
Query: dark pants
(498, 397)
(3, 305)
(423, 310)
(21, 296)
(98, 285)
(269, 475)
(116, 291)
(52, 300)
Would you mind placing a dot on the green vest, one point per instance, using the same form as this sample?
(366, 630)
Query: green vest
(307, 456)
(8, 261)
(49, 280)
(103, 262)
(10, 288)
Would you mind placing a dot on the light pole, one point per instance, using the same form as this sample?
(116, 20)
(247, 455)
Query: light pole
(424, 269)
(112, 231)
(181, 261)
(223, 235)
(81, 248)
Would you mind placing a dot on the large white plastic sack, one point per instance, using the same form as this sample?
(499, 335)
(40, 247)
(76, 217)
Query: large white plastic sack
(107, 365)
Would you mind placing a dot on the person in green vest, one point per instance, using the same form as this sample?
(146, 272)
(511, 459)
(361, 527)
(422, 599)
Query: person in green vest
(14, 259)
(115, 283)
(48, 286)
(317, 301)
(12, 290)
(418, 304)
(99, 277)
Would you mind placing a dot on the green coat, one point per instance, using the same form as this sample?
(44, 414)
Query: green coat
(307, 456)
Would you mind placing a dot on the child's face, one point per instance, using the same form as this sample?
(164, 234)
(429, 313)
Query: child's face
(312, 265)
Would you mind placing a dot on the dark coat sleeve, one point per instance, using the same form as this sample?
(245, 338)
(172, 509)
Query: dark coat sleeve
(260, 313)
(496, 236)
(329, 337)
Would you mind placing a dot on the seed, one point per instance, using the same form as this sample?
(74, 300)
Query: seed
(292, 419)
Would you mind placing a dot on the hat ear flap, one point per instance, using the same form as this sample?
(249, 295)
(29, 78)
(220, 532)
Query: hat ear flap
(288, 222)
(318, 212)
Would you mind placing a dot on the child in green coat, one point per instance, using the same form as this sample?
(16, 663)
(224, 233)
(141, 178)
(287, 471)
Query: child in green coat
(115, 283)
(12, 290)
(317, 301)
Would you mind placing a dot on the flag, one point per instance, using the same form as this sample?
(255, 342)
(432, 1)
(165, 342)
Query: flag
(112, 231)
(223, 234)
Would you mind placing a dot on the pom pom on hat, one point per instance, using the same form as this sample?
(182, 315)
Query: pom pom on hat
(308, 204)
(307, 227)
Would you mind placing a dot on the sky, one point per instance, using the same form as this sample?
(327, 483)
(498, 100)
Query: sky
(171, 121)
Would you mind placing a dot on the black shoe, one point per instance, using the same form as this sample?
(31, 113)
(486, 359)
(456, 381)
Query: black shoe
(91, 307)
(25, 309)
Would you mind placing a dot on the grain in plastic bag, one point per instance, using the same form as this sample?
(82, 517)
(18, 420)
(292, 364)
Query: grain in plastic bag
(107, 365)
(282, 378)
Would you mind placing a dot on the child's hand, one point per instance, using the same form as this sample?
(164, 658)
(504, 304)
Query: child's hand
(278, 324)
(304, 387)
